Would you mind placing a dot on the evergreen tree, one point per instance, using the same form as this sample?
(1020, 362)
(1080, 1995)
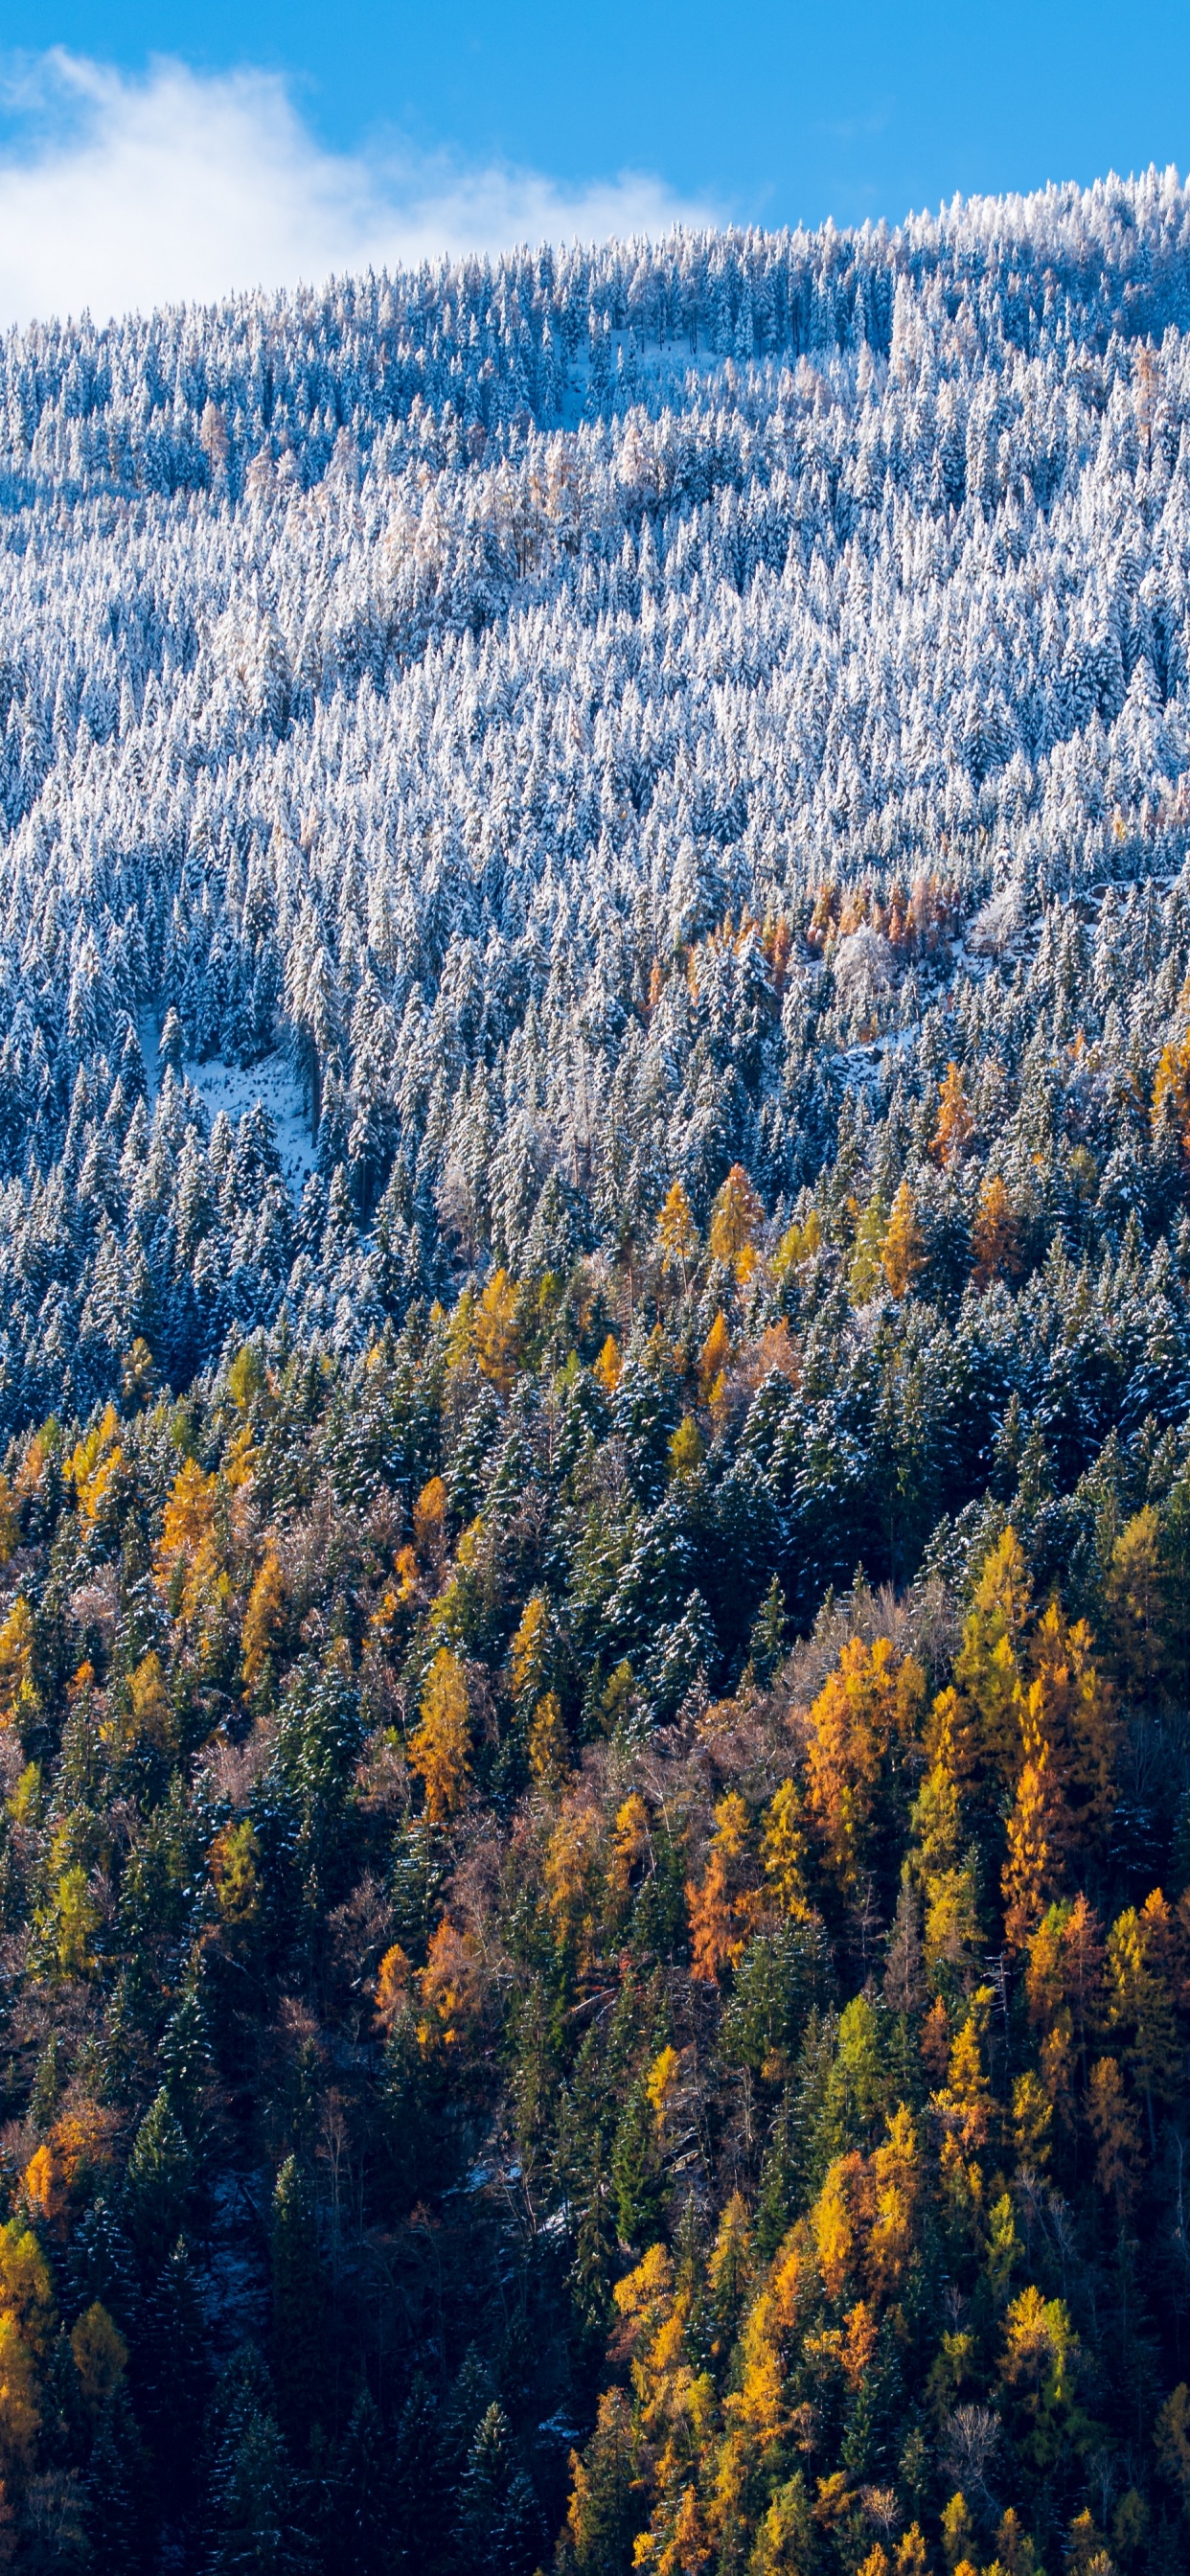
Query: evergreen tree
(299, 2302)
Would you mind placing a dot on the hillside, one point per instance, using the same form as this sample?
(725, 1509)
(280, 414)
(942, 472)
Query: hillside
(595, 1371)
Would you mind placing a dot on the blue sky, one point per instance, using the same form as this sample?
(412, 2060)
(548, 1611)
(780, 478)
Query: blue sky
(472, 118)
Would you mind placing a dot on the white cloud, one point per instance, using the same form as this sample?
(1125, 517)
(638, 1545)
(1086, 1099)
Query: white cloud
(121, 194)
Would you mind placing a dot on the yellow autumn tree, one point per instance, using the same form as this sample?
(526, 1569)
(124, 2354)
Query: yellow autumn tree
(1040, 2351)
(964, 2103)
(903, 1252)
(94, 1462)
(439, 1749)
(631, 1845)
(685, 1447)
(74, 1918)
(798, 1244)
(529, 1649)
(1136, 1604)
(871, 1699)
(234, 1865)
(1143, 1975)
(897, 2179)
(263, 1619)
(987, 1670)
(187, 1545)
(150, 1708)
(494, 1331)
(1063, 1986)
(429, 1515)
(677, 1233)
(1171, 1088)
(1029, 1872)
(866, 1267)
(736, 1219)
(549, 1752)
(27, 2322)
(1068, 1708)
(942, 1861)
(783, 1849)
(16, 1658)
(674, 2408)
(246, 1378)
(100, 2355)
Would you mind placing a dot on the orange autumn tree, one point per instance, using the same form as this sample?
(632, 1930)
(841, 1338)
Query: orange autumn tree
(713, 1359)
(1064, 1791)
(606, 1368)
(726, 1903)
(995, 1234)
(449, 1986)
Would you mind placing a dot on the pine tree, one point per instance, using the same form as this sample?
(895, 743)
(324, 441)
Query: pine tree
(169, 2371)
(359, 2534)
(115, 2489)
(299, 2303)
(499, 2520)
(158, 2182)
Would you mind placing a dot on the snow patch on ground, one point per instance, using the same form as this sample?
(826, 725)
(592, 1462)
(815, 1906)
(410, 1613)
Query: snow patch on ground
(274, 1083)
(236, 1089)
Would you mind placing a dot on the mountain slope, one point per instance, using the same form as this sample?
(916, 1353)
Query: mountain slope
(594, 1356)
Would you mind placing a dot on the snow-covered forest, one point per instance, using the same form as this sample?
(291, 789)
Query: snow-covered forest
(553, 717)
(595, 1414)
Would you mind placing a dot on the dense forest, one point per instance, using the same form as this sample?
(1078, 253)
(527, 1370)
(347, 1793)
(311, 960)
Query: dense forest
(595, 1389)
